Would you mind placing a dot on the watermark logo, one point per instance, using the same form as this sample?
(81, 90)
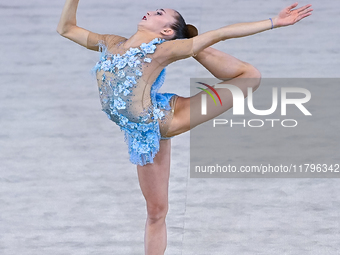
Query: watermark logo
(204, 97)
(238, 99)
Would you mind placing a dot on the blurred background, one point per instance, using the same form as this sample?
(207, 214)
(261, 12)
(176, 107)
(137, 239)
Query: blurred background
(66, 184)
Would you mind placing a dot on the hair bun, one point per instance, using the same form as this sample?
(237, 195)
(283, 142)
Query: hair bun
(192, 31)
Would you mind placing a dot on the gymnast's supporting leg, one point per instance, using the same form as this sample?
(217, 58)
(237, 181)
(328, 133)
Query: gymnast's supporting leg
(154, 178)
(224, 67)
(154, 183)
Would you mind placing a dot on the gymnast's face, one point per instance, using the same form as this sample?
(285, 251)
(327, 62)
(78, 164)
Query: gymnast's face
(159, 21)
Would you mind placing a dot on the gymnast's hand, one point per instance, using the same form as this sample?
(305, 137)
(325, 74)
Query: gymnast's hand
(288, 16)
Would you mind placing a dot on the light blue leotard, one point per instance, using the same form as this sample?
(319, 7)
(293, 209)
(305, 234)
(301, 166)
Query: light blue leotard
(118, 77)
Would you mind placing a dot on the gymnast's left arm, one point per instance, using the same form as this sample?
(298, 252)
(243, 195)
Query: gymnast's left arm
(286, 17)
(183, 48)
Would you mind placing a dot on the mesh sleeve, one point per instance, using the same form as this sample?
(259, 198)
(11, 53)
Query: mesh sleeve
(174, 50)
(109, 40)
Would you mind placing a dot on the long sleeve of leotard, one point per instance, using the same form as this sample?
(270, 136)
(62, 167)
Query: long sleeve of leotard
(109, 40)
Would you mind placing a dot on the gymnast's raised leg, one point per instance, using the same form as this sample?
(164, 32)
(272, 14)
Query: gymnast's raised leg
(225, 67)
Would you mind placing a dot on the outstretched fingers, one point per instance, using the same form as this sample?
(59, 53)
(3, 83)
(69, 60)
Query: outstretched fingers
(303, 16)
(303, 8)
(289, 8)
(303, 13)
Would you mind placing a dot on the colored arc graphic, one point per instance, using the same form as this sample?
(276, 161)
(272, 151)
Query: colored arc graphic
(209, 94)
(214, 90)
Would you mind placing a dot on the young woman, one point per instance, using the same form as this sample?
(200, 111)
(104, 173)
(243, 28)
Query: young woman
(131, 71)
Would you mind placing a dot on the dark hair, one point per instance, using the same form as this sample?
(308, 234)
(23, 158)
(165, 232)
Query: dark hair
(183, 30)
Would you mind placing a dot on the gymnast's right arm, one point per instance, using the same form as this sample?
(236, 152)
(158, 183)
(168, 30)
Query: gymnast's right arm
(68, 28)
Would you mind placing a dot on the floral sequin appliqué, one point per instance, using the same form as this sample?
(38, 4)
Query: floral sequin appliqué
(120, 75)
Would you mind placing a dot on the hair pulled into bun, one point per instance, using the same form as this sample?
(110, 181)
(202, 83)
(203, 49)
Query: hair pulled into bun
(183, 30)
(192, 31)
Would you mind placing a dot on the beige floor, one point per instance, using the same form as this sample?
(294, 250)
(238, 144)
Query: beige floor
(66, 185)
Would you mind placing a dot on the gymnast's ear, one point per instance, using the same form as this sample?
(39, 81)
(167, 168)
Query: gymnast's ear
(168, 32)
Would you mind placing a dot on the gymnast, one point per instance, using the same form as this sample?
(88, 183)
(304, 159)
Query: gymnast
(130, 72)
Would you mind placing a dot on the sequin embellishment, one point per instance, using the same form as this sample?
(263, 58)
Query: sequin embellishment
(120, 75)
